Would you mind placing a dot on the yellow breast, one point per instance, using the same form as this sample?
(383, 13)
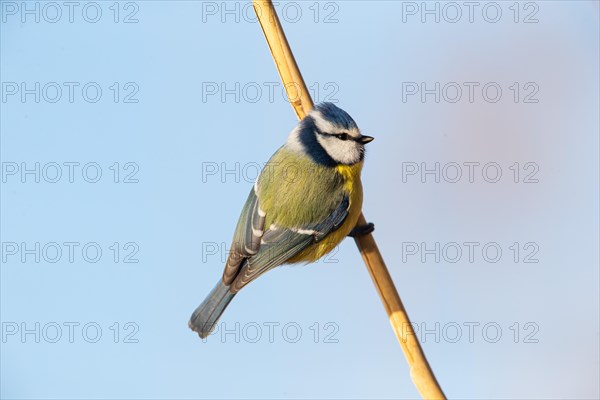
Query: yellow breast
(353, 187)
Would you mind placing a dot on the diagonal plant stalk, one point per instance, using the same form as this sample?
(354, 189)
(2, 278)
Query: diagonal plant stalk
(420, 371)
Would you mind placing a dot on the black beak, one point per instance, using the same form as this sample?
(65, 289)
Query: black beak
(364, 139)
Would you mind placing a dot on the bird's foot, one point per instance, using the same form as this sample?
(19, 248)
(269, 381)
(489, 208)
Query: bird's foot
(362, 230)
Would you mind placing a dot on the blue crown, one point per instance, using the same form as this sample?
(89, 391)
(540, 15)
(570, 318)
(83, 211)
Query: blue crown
(336, 115)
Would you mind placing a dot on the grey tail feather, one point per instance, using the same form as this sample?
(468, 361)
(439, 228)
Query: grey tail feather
(205, 317)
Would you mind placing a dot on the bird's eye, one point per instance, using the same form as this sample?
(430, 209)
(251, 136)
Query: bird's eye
(342, 136)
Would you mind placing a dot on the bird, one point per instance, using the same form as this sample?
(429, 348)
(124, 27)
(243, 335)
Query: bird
(306, 200)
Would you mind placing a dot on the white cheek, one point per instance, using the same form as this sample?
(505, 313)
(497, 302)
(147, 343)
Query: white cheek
(345, 152)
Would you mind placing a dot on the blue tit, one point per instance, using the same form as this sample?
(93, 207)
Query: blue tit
(306, 200)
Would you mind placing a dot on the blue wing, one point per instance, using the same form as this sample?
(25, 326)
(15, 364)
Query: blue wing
(255, 250)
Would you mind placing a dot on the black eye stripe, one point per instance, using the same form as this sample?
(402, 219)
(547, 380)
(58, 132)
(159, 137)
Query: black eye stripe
(342, 136)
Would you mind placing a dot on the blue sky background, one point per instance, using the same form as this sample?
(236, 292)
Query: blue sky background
(181, 140)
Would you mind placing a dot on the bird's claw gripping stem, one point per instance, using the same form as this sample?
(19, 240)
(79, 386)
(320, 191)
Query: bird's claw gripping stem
(362, 230)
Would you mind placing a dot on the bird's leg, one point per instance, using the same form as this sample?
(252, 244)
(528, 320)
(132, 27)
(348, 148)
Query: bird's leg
(362, 230)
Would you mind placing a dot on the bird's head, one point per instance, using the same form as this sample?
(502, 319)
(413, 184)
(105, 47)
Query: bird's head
(328, 134)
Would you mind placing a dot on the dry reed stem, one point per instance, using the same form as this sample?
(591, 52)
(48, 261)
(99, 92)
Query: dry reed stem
(420, 371)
